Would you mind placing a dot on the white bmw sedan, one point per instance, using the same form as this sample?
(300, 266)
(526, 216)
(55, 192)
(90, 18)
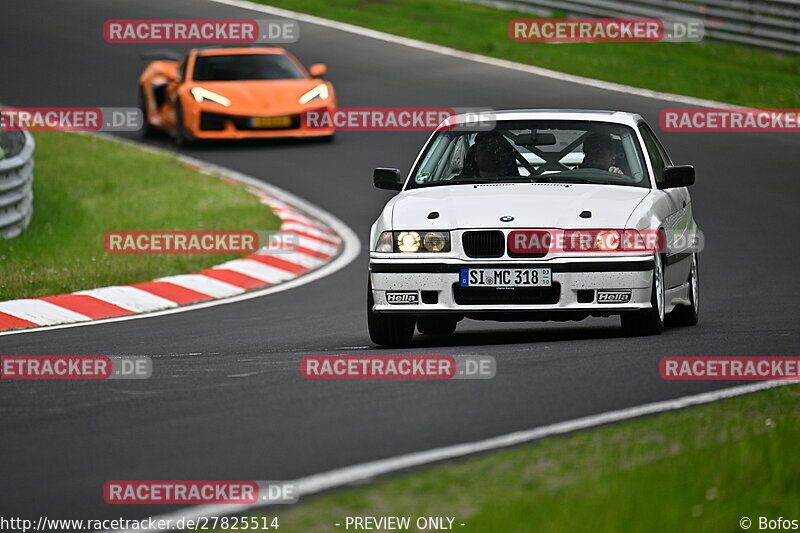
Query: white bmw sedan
(544, 215)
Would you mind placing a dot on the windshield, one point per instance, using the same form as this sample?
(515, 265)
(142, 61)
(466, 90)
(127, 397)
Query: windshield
(534, 151)
(246, 67)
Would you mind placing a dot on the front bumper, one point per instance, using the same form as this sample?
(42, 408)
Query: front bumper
(575, 286)
(216, 125)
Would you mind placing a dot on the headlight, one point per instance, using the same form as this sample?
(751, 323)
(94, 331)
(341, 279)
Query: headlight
(436, 241)
(320, 92)
(408, 241)
(385, 242)
(201, 95)
(413, 241)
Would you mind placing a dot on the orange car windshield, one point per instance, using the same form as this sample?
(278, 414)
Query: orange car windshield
(246, 67)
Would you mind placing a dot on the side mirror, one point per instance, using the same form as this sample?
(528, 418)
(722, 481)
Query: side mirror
(317, 70)
(677, 176)
(387, 178)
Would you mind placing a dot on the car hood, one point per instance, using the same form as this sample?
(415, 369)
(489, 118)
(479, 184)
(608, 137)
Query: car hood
(261, 95)
(532, 205)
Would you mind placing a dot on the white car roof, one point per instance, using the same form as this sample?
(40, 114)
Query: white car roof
(615, 117)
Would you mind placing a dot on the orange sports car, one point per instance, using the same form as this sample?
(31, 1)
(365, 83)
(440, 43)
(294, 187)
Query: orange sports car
(233, 93)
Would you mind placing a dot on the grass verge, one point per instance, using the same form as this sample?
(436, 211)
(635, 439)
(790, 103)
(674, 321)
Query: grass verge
(85, 186)
(713, 70)
(700, 469)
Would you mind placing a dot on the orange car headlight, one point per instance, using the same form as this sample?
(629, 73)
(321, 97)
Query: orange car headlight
(320, 92)
(201, 95)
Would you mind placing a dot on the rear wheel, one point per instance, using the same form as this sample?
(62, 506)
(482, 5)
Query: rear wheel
(437, 325)
(688, 315)
(388, 329)
(648, 321)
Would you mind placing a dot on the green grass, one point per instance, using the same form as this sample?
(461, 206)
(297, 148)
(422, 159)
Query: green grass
(699, 469)
(710, 69)
(85, 186)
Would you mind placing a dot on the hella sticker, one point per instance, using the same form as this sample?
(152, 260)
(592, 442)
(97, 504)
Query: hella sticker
(618, 296)
(394, 297)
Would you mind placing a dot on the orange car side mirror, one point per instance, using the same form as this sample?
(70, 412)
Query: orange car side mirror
(318, 70)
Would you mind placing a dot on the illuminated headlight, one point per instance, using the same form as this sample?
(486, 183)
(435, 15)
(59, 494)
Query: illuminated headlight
(408, 241)
(202, 95)
(320, 92)
(413, 241)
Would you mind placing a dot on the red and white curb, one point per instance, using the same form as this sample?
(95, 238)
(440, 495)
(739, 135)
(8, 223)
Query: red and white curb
(323, 245)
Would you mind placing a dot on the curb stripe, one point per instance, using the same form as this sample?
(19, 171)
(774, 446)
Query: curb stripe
(204, 285)
(87, 305)
(11, 322)
(282, 264)
(172, 292)
(307, 235)
(128, 297)
(40, 312)
(234, 278)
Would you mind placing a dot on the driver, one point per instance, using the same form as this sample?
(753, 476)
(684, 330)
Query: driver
(494, 157)
(598, 152)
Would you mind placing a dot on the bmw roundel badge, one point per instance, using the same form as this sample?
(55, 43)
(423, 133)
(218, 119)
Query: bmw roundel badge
(506, 218)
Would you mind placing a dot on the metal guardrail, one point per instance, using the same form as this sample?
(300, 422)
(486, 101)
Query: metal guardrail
(16, 182)
(773, 24)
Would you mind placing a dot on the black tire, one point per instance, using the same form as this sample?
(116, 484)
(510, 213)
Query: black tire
(648, 321)
(437, 325)
(147, 129)
(182, 137)
(388, 329)
(688, 315)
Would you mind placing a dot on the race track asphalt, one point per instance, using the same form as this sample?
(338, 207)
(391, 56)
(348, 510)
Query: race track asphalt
(226, 400)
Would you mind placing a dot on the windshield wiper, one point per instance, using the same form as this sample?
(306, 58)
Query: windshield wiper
(584, 180)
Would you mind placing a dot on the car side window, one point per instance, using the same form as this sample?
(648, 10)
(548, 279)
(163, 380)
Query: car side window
(654, 152)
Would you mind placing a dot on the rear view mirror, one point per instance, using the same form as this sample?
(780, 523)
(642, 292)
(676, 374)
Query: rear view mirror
(387, 178)
(317, 70)
(677, 176)
(535, 139)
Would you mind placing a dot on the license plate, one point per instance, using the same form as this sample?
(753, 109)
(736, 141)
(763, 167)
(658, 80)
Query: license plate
(505, 277)
(270, 122)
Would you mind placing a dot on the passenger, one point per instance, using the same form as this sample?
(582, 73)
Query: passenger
(598, 152)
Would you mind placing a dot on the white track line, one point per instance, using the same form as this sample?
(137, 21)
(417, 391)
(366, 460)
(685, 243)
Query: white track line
(367, 471)
(486, 60)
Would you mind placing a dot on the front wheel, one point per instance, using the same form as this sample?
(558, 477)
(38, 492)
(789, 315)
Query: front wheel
(182, 136)
(388, 329)
(648, 321)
